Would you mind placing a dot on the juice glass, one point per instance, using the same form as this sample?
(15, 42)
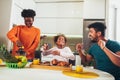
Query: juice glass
(79, 68)
(36, 61)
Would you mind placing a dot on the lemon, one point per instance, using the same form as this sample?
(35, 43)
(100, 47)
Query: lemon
(24, 59)
(1, 61)
(16, 57)
(19, 64)
(20, 57)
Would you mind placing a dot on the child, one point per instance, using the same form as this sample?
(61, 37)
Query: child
(60, 53)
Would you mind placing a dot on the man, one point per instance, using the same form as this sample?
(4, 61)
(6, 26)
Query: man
(25, 35)
(106, 53)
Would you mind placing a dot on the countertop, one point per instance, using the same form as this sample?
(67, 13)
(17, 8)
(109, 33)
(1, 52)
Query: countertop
(42, 74)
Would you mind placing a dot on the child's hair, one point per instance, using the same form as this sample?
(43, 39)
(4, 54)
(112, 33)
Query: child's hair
(56, 37)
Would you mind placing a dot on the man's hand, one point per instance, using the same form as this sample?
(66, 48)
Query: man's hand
(101, 43)
(79, 47)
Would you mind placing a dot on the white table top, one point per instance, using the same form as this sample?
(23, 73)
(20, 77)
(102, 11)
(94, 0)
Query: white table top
(42, 74)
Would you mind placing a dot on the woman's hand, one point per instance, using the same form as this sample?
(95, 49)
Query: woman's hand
(18, 43)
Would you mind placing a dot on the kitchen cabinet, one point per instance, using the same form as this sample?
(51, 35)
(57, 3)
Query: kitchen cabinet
(17, 7)
(94, 9)
(60, 17)
(65, 26)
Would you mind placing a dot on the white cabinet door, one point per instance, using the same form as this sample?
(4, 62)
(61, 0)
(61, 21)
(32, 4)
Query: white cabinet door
(94, 9)
(66, 18)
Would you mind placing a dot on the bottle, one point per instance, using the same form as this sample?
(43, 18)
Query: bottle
(77, 60)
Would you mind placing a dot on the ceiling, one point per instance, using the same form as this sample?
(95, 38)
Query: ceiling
(37, 1)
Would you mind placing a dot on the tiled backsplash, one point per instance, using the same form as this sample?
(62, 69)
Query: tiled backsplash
(71, 41)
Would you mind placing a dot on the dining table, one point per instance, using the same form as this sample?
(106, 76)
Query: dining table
(29, 73)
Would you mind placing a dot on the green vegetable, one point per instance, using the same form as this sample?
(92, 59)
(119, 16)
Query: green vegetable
(7, 56)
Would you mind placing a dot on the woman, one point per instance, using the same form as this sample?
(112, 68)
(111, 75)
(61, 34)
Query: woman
(25, 35)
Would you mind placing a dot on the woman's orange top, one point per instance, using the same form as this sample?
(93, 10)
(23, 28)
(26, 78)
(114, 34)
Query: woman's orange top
(29, 37)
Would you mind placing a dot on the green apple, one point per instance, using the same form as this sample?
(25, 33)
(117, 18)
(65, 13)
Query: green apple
(24, 59)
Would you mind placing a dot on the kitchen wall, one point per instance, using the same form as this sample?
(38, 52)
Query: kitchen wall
(118, 24)
(11, 14)
(71, 42)
(17, 7)
(61, 16)
(113, 19)
(5, 17)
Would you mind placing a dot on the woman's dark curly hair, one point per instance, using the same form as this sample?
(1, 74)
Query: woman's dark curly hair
(28, 13)
(56, 37)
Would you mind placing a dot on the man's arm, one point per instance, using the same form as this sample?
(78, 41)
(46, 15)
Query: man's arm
(86, 58)
(114, 57)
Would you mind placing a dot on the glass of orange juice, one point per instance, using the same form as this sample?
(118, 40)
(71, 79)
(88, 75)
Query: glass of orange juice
(1, 61)
(79, 68)
(36, 61)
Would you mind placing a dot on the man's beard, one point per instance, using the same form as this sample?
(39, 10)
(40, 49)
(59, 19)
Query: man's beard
(93, 40)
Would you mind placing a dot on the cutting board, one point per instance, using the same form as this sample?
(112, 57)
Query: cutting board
(2, 65)
(84, 74)
(50, 67)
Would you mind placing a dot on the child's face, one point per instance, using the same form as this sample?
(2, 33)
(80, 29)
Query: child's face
(60, 41)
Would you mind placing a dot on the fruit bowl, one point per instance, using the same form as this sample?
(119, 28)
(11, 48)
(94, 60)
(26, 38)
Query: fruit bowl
(16, 65)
